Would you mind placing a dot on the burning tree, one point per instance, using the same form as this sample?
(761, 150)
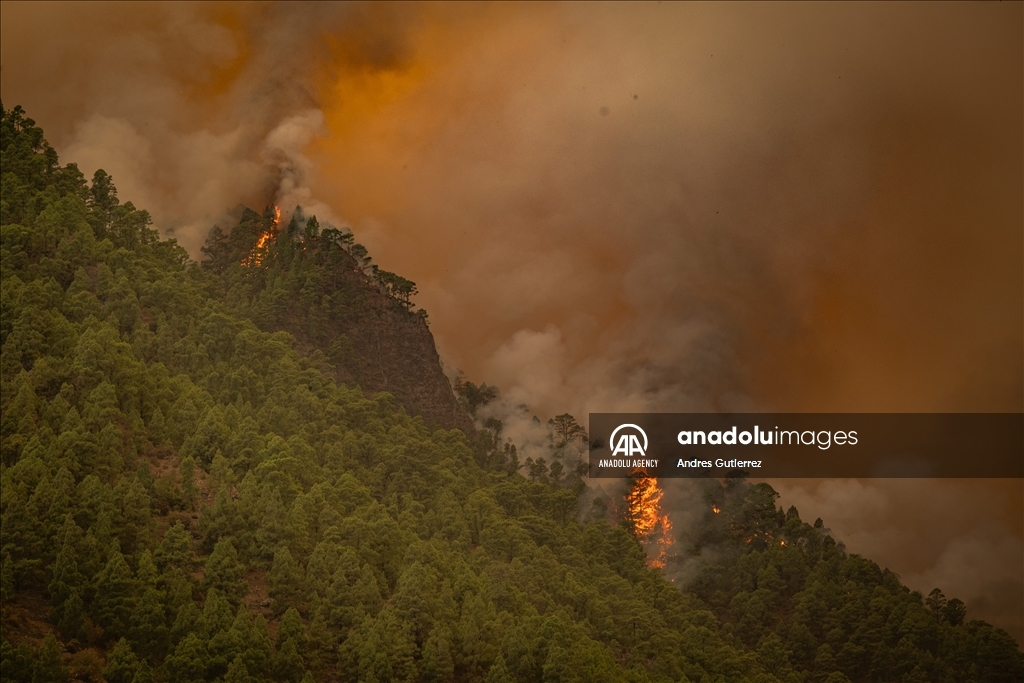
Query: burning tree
(646, 520)
(259, 249)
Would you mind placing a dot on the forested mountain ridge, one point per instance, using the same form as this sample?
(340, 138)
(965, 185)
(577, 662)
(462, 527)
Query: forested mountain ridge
(186, 496)
(318, 285)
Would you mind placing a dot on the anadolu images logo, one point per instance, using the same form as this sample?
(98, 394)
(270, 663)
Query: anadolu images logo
(628, 443)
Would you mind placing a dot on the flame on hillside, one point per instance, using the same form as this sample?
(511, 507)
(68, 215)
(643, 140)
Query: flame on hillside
(259, 250)
(650, 525)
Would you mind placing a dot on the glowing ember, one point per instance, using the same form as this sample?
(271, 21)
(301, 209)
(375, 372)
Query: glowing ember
(259, 250)
(651, 527)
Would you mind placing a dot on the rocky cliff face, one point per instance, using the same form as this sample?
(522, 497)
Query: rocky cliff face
(319, 287)
(382, 347)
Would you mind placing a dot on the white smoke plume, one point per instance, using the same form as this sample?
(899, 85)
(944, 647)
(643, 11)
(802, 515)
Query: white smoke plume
(284, 149)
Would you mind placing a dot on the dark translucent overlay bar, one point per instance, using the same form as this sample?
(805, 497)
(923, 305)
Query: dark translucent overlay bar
(776, 445)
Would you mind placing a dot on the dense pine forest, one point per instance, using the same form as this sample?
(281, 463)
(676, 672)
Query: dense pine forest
(198, 484)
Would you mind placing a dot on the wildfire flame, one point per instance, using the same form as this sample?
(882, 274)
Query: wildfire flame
(259, 250)
(650, 526)
(716, 509)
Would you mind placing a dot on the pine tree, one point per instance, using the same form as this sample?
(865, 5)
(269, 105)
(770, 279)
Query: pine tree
(23, 537)
(188, 480)
(239, 636)
(476, 631)
(225, 573)
(221, 471)
(49, 667)
(272, 530)
(339, 603)
(366, 593)
(16, 663)
(237, 672)
(115, 588)
(18, 424)
(291, 628)
(288, 664)
(389, 648)
(135, 516)
(175, 550)
(157, 427)
(6, 582)
(148, 630)
(179, 589)
(67, 580)
(438, 665)
(144, 674)
(122, 664)
(321, 641)
(92, 557)
(144, 473)
(188, 661)
(64, 493)
(499, 673)
(285, 580)
(220, 520)
(72, 618)
(147, 573)
(260, 653)
(955, 612)
(184, 621)
(217, 615)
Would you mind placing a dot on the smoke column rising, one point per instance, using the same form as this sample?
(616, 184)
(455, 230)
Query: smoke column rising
(615, 207)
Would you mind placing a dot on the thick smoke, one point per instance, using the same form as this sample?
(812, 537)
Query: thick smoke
(615, 207)
(193, 109)
(284, 149)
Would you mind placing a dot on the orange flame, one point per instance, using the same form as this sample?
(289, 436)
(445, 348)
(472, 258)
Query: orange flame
(716, 509)
(650, 526)
(259, 250)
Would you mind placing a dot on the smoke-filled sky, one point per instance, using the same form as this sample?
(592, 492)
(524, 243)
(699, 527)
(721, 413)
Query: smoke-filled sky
(787, 207)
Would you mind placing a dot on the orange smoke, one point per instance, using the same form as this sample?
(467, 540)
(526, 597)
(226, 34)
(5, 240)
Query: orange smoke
(650, 526)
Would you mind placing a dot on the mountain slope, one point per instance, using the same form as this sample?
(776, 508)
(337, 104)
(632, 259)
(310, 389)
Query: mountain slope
(187, 496)
(318, 286)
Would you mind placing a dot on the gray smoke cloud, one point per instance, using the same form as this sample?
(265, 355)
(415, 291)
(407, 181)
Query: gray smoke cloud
(615, 207)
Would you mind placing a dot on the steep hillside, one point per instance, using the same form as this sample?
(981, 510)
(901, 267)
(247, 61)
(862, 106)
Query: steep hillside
(187, 496)
(319, 287)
